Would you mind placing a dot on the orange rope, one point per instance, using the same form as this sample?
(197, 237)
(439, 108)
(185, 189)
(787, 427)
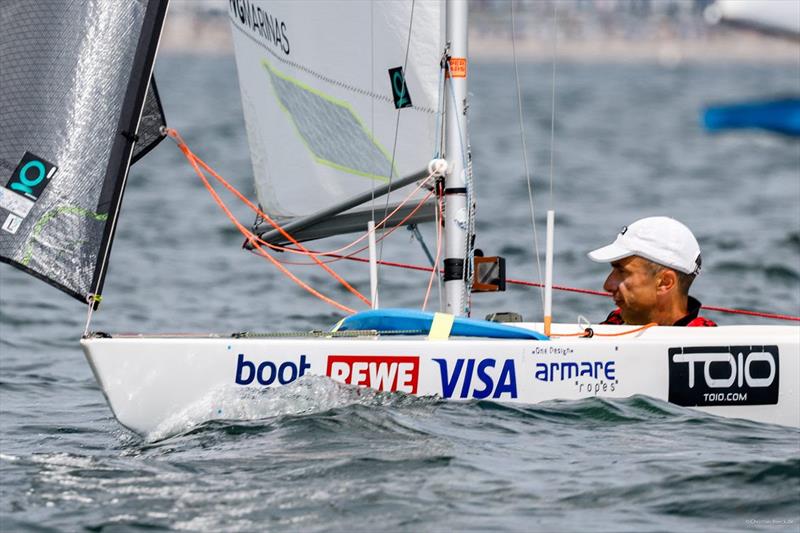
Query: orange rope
(336, 257)
(637, 330)
(588, 332)
(283, 232)
(302, 250)
(377, 226)
(194, 161)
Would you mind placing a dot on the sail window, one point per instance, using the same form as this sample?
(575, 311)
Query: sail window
(330, 129)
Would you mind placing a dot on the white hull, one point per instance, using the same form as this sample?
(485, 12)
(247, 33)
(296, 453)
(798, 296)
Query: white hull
(749, 372)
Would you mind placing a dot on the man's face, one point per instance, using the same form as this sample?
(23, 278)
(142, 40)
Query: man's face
(634, 286)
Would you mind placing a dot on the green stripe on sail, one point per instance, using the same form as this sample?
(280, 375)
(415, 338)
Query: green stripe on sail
(50, 215)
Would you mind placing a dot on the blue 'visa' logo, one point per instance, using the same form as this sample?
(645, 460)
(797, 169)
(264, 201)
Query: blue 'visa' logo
(477, 378)
(267, 372)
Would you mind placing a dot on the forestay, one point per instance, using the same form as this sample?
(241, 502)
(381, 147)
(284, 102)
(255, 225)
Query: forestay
(324, 122)
(73, 79)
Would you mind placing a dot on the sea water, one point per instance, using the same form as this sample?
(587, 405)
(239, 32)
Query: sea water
(318, 456)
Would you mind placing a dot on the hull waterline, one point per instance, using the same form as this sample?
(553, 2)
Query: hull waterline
(748, 372)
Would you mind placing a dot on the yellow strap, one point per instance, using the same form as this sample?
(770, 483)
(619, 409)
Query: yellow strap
(337, 326)
(441, 326)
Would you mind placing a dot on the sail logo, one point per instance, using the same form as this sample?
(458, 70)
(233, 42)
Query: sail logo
(270, 29)
(268, 373)
(724, 375)
(478, 378)
(31, 176)
(402, 98)
(384, 373)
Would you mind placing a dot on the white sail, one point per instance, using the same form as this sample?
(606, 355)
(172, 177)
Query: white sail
(318, 101)
(780, 16)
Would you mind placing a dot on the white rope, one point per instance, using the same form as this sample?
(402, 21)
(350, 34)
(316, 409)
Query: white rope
(553, 100)
(372, 90)
(397, 122)
(440, 125)
(525, 153)
(91, 300)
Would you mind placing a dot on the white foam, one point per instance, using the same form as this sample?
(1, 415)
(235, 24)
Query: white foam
(308, 394)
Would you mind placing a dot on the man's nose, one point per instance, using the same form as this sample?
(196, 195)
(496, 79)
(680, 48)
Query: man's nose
(611, 283)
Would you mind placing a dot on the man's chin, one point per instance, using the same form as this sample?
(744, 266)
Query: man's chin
(632, 319)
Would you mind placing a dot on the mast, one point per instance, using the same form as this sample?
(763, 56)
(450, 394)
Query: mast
(456, 212)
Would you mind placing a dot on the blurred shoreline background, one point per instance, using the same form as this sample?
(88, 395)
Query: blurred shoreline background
(669, 32)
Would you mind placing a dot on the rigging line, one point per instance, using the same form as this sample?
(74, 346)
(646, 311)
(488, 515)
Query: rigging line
(416, 234)
(439, 151)
(337, 257)
(565, 288)
(372, 89)
(249, 235)
(588, 332)
(528, 180)
(196, 162)
(332, 81)
(325, 267)
(382, 223)
(439, 125)
(397, 119)
(439, 221)
(440, 215)
(553, 100)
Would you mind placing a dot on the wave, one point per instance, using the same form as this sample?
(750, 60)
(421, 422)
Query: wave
(318, 405)
(237, 410)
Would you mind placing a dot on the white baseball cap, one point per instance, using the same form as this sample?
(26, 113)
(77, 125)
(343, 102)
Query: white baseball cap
(662, 240)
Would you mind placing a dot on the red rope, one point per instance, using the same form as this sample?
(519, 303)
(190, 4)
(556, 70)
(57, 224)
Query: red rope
(760, 314)
(196, 162)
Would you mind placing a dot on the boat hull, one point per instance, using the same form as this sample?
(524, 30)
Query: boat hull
(748, 372)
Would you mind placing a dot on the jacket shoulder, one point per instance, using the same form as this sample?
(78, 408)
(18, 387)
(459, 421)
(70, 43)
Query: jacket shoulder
(614, 318)
(702, 322)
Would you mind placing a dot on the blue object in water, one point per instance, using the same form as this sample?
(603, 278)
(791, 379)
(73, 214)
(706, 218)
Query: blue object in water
(782, 116)
(388, 320)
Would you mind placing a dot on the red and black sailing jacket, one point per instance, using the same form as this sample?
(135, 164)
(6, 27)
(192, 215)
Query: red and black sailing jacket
(692, 319)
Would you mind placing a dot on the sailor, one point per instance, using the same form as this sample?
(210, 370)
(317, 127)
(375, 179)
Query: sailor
(653, 263)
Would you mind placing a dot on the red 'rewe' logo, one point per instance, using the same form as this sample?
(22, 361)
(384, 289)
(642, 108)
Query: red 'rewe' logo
(384, 373)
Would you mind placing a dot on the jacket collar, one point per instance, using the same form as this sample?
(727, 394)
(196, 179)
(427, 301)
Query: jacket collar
(694, 310)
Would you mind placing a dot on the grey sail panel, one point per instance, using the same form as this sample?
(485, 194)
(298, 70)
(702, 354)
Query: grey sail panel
(73, 79)
(150, 125)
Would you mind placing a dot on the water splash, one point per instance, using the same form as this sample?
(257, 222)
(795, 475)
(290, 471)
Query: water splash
(308, 394)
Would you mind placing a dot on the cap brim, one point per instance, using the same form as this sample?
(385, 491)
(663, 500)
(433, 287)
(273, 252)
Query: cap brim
(607, 254)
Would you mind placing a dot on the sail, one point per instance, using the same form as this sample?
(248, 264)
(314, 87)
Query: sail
(74, 78)
(327, 115)
(780, 17)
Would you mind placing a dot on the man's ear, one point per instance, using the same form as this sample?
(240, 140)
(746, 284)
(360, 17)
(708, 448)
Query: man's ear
(667, 281)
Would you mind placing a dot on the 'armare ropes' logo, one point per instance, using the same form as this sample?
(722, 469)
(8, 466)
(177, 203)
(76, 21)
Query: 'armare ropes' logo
(724, 375)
